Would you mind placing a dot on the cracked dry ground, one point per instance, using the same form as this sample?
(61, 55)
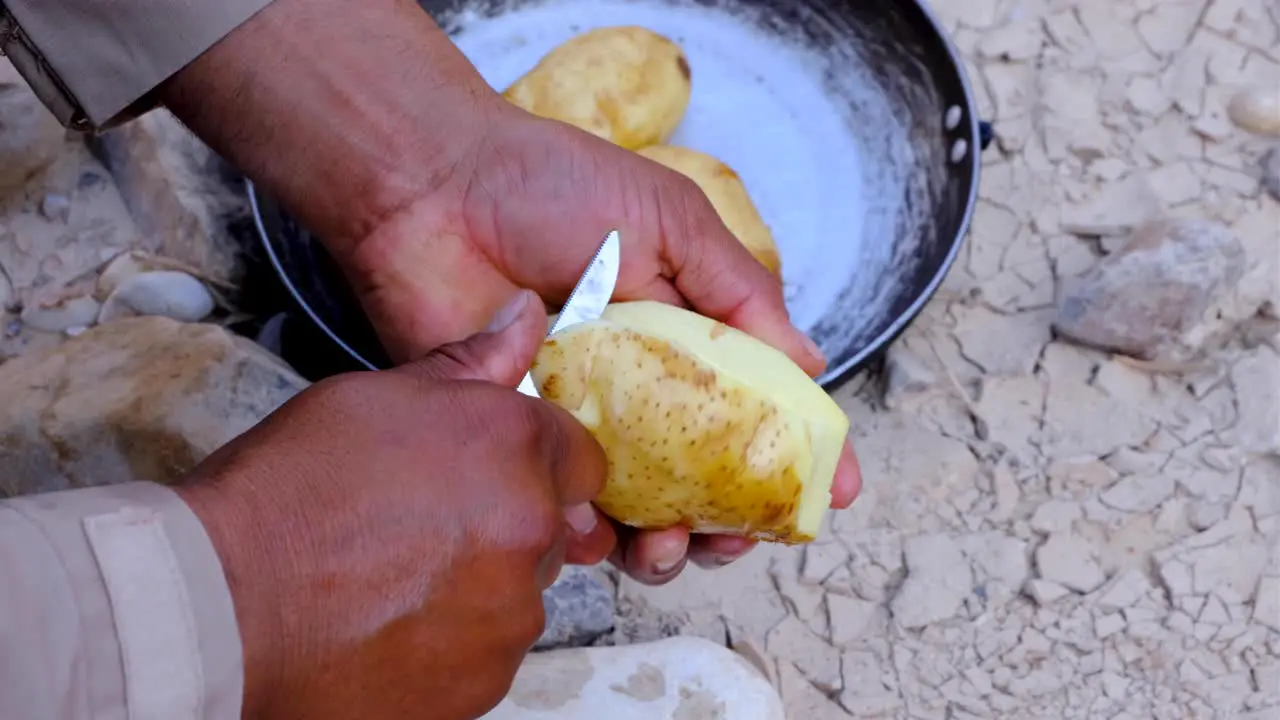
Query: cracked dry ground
(1050, 531)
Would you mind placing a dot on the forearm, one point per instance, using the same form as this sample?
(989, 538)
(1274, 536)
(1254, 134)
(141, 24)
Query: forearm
(113, 605)
(345, 111)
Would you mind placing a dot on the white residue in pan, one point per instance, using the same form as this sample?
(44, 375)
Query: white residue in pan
(777, 110)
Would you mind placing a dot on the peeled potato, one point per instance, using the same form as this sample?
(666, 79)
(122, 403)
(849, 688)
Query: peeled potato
(727, 194)
(704, 426)
(628, 85)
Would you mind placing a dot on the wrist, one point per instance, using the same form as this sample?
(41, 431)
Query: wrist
(345, 112)
(243, 552)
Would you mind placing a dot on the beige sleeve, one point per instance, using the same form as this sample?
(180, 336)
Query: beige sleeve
(113, 606)
(95, 62)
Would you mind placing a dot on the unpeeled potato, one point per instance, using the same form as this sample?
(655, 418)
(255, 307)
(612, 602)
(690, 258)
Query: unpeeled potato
(628, 85)
(704, 426)
(727, 194)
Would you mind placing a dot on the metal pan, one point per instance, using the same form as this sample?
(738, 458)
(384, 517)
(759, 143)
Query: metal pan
(862, 153)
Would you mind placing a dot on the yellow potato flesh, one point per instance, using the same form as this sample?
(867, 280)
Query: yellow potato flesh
(704, 426)
(728, 195)
(628, 85)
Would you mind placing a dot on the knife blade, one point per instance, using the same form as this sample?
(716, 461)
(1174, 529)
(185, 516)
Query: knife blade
(589, 297)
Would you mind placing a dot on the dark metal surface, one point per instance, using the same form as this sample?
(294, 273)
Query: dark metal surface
(919, 71)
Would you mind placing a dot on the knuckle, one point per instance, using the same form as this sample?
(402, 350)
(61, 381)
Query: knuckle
(342, 392)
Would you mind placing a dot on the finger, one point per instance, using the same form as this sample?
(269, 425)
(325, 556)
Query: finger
(660, 290)
(501, 354)
(588, 545)
(655, 557)
(713, 551)
(720, 278)
(848, 480)
(577, 462)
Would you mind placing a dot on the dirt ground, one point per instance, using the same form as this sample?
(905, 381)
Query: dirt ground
(1047, 530)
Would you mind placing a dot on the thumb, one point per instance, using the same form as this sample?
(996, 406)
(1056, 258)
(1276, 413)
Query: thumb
(501, 353)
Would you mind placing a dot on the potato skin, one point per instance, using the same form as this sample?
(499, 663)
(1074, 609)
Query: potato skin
(628, 85)
(686, 445)
(727, 194)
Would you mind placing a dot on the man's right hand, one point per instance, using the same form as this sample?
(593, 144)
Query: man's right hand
(387, 536)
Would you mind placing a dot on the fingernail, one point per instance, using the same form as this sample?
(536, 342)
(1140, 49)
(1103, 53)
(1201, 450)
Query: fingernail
(663, 565)
(582, 518)
(722, 560)
(812, 348)
(508, 314)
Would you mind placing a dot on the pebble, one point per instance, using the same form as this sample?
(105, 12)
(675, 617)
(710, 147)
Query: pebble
(62, 314)
(1150, 296)
(167, 293)
(1256, 110)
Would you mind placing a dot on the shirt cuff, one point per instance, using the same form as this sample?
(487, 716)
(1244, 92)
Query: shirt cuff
(94, 64)
(137, 557)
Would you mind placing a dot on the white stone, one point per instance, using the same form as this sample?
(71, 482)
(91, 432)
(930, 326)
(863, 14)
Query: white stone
(671, 679)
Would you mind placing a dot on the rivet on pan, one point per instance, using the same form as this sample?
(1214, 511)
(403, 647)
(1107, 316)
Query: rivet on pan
(953, 116)
(958, 150)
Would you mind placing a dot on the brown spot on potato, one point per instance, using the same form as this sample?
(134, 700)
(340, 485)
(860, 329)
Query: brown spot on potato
(551, 387)
(685, 70)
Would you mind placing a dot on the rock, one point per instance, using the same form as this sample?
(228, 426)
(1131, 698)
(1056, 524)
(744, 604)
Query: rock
(679, 678)
(1256, 110)
(1270, 165)
(1151, 296)
(938, 581)
(178, 192)
(579, 610)
(138, 399)
(167, 293)
(31, 138)
(1068, 560)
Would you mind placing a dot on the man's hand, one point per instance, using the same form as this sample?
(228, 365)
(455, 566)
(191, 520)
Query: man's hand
(387, 535)
(440, 199)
